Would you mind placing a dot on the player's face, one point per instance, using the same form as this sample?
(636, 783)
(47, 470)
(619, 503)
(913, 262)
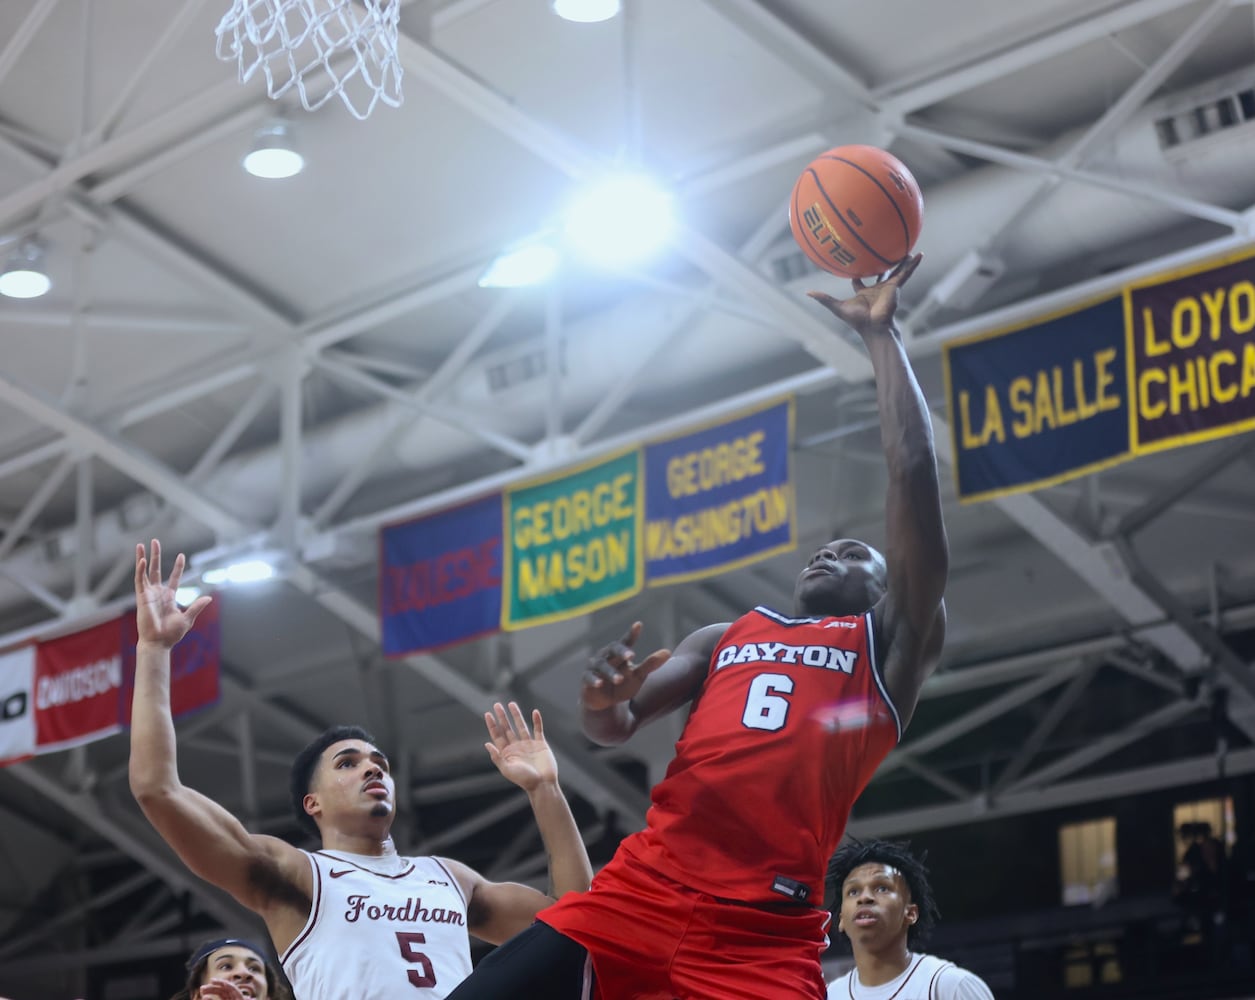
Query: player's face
(876, 908)
(844, 577)
(242, 967)
(352, 781)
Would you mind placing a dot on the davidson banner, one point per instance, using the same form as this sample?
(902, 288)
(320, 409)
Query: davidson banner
(1168, 362)
(77, 688)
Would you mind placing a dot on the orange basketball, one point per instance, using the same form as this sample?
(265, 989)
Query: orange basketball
(856, 211)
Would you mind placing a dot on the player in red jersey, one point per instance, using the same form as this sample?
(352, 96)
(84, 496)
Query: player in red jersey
(720, 896)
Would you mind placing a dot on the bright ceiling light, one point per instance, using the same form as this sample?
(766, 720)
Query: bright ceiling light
(23, 276)
(529, 264)
(185, 595)
(273, 155)
(586, 11)
(243, 571)
(619, 221)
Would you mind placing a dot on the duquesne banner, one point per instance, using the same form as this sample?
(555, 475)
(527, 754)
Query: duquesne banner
(719, 498)
(440, 578)
(77, 688)
(1167, 362)
(566, 544)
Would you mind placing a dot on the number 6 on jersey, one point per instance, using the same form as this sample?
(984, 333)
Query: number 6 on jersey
(764, 706)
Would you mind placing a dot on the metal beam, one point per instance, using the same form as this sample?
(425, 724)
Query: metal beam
(1182, 485)
(125, 457)
(1182, 773)
(1037, 738)
(86, 809)
(1105, 747)
(903, 97)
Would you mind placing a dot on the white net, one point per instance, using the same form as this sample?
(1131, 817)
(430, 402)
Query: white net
(324, 48)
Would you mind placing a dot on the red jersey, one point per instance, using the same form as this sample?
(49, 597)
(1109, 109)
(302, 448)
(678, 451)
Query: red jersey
(790, 723)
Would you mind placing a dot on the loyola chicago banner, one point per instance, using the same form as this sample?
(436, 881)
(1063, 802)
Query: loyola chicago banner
(572, 543)
(719, 498)
(1168, 362)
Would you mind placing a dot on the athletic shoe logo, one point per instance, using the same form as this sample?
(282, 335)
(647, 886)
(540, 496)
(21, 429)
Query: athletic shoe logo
(347, 871)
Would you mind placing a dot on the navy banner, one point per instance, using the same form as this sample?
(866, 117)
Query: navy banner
(440, 578)
(1039, 404)
(719, 498)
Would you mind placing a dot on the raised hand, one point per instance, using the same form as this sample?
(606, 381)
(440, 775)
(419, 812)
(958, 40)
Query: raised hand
(159, 619)
(220, 989)
(523, 757)
(613, 674)
(871, 309)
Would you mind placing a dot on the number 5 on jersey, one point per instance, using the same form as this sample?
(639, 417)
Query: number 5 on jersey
(407, 940)
(765, 708)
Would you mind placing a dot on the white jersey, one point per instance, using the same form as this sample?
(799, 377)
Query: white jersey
(926, 977)
(380, 928)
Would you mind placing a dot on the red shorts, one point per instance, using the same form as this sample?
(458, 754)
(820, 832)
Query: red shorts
(651, 938)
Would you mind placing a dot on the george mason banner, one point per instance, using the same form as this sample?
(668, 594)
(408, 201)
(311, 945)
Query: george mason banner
(719, 498)
(1168, 362)
(572, 543)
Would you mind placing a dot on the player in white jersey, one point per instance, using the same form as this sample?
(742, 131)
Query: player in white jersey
(353, 920)
(886, 908)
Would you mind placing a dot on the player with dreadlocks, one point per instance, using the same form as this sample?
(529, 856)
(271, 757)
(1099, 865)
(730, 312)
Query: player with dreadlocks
(885, 907)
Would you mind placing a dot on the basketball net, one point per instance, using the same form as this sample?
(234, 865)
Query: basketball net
(348, 47)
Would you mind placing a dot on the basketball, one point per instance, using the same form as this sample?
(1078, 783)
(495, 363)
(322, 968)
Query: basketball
(856, 211)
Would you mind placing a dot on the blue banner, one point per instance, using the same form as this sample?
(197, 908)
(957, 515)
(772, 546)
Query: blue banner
(719, 498)
(1039, 404)
(440, 578)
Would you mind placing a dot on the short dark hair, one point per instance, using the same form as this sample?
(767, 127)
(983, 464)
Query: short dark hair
(307, 760)
(897, 855)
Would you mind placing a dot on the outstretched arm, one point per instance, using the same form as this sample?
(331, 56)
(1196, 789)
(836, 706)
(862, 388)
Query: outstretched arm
(497, 911)
(620, 695)
(911, 615)
(208, 839)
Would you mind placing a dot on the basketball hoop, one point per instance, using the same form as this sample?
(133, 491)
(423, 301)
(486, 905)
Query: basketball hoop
(347, 46)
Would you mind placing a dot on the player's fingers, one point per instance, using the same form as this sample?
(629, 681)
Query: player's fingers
(141, 565)
(176, 572)
(859, 284)
(520, 723)
(631, 635)
(494, 730)
(538, 725)
(909, 268)
(196, 607)
(652, 662)
(493, 752)
(503, 721)
(154, 562)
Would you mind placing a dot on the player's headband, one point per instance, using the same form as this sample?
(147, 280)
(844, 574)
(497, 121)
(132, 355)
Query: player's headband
(209, 947)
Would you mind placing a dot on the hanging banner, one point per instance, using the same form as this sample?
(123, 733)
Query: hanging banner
(440, 578)
(719, 498)
(77, 683)
(1039, 404)
(17, 704)
(1192, 344)
(572, 543)
(195, 664)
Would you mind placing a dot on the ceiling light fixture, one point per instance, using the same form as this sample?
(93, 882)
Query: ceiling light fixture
(24, 276)
(527, 264)
(274, 155)
(619, 221)
(586, 11)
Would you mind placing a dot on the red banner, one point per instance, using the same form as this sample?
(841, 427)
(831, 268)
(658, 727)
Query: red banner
(78, 688)
(78, 679)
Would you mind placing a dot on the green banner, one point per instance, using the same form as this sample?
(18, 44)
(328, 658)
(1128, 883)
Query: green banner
(572, 543)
